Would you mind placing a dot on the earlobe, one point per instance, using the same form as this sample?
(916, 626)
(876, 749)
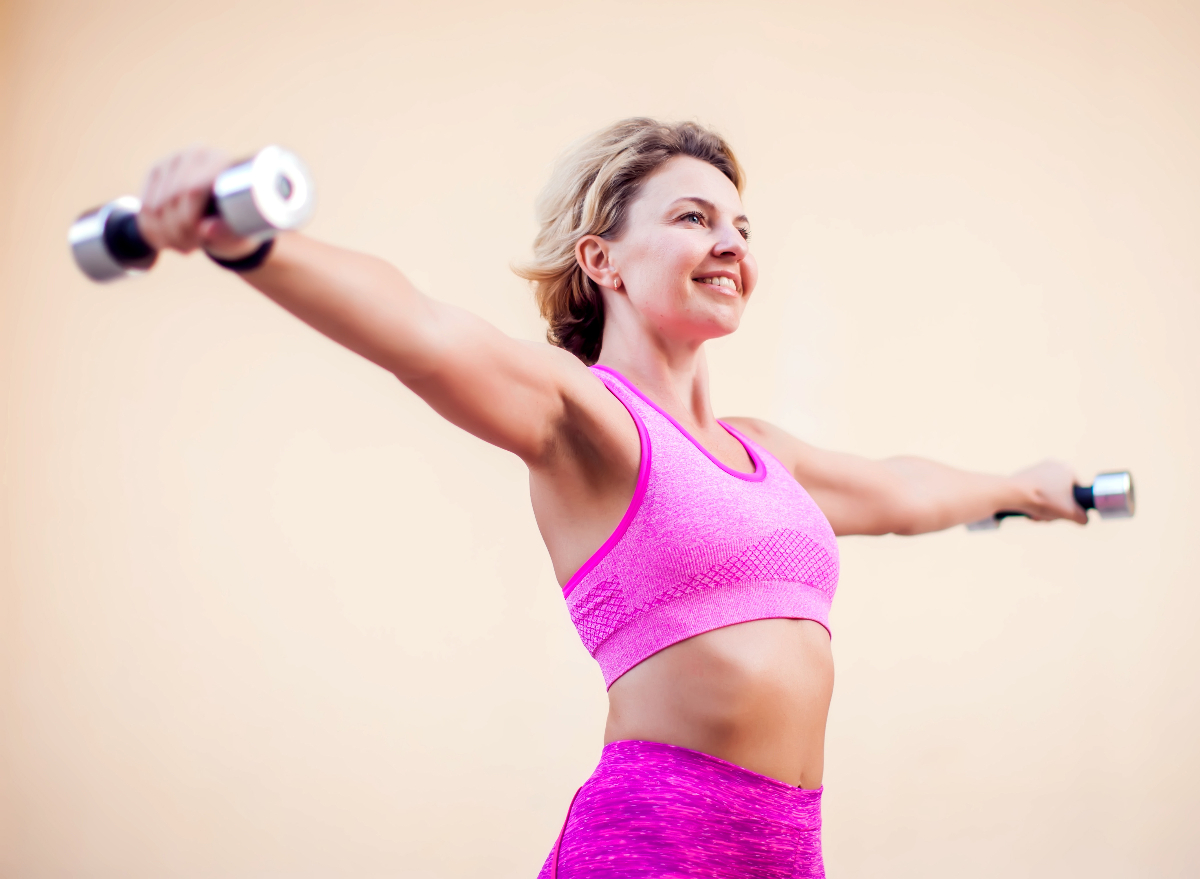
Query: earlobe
(591, 252)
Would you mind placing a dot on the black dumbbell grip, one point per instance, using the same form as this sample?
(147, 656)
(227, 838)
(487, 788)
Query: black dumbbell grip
(1083, 497)
(124, 239)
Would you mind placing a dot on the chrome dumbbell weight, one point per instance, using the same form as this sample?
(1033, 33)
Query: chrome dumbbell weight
(269, 193)
(1111, 495)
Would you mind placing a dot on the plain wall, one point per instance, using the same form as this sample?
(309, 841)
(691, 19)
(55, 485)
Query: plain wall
(263, 614)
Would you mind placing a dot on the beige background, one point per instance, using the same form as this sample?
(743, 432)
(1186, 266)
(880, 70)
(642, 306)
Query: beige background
(264, 615)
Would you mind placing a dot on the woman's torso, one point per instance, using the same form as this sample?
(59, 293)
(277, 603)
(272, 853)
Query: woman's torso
(705, 606)
(755, 693)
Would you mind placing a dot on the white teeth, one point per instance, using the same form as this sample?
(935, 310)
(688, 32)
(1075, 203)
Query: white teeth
(719, 282)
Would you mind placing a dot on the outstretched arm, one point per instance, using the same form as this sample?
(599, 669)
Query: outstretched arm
(510, 393)
(908, 495)
(507, 392)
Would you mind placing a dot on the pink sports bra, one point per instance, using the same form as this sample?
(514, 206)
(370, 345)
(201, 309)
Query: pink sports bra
(701, 546)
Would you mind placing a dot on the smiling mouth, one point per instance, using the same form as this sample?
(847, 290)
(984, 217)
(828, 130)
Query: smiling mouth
(719, 281)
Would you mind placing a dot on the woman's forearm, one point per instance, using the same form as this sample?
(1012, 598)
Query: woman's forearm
(937, 496)
(933, 496)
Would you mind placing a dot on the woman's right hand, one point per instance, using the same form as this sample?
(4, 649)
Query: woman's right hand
(174, 197)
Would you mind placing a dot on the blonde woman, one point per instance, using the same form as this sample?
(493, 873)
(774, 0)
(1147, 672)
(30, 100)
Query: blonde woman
(697, 557)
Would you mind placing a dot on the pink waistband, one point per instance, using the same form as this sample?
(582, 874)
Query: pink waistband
(652, 810)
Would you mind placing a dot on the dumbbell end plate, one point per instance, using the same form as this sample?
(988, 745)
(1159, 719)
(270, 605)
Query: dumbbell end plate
(991, 523)
(1113, 494)
(269, 193)
(88, 245)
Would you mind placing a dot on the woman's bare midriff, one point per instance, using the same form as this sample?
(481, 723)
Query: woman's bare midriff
(755, 694)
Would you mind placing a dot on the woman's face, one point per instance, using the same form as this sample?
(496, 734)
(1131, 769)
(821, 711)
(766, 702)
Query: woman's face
(683, 258)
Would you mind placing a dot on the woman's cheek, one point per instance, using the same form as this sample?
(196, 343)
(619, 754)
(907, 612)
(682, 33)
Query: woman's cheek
(749, 275)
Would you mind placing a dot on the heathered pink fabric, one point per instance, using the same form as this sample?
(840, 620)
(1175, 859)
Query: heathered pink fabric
(701, 546)
(652, 811)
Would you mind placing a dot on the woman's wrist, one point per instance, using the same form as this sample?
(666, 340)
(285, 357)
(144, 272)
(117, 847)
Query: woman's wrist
(247, 261)
(233, 250)
(1019, 495)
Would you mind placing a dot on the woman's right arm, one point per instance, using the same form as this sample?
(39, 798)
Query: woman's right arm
(512, 394)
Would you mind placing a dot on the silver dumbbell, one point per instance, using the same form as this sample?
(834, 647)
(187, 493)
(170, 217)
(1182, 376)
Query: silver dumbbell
(1110, 495)
(268, 193)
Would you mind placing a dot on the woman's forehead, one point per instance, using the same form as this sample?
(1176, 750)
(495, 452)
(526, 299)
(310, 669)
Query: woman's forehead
(684, 178)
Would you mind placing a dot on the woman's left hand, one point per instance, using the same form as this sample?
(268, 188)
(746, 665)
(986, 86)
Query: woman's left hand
(1048, 491)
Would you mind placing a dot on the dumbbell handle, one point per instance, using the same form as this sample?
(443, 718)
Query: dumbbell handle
(1083, 496)
(1111, 495)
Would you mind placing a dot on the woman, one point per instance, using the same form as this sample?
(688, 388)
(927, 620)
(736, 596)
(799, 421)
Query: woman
(696, 567)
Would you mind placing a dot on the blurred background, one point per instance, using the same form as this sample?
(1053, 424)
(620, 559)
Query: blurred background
(263, 614)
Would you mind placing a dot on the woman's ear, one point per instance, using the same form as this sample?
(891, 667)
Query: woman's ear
(592, 254)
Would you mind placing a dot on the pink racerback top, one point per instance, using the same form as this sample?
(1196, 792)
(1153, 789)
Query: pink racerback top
(701, 546)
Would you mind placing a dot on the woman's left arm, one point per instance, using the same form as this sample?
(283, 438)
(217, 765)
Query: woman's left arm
(907, 495)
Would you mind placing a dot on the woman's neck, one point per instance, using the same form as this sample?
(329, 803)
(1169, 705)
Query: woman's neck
(673, 375)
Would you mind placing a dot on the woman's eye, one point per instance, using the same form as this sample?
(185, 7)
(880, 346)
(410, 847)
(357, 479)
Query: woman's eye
(745, 233)
(693, 216)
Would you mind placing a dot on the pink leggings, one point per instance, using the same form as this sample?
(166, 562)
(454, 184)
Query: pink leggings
(653, 811)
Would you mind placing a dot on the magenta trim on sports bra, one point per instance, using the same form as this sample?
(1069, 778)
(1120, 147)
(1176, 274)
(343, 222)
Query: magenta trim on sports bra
(635, 502)
(760, 471)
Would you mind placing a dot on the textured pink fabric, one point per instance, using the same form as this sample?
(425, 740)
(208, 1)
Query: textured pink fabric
(653, 811)
(701, 546)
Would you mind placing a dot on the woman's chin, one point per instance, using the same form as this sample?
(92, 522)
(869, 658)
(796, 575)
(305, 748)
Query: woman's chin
(725, 321)
(717, 328)
(698, 326)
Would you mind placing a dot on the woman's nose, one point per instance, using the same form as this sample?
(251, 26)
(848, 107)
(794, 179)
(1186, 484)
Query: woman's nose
(731, 242)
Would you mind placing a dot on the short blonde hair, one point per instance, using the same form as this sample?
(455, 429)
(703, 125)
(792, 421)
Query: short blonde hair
(589, 193)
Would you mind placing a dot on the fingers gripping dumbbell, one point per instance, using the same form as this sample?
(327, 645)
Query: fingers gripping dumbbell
(1111, 495)
(268, 193)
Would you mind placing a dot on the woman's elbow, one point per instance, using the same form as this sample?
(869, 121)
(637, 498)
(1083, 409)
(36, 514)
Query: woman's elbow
(907, 515)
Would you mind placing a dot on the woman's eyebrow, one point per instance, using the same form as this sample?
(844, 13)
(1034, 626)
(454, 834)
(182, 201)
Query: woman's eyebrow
(708, 206)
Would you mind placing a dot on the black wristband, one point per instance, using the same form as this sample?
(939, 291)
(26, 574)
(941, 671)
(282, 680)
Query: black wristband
(248, 262)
